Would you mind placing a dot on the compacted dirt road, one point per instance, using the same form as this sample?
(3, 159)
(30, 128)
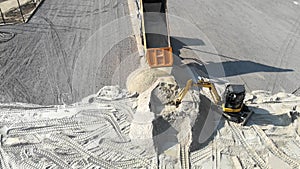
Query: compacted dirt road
(70, 50)
(49, 59)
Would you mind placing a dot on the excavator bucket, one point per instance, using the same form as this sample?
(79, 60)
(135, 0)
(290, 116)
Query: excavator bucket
(159, 57)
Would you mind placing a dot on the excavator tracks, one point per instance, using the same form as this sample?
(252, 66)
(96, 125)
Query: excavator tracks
(95, 137)
(201, 154)
(254, 155)
(273, 148)
(184, 157)
(236, 146)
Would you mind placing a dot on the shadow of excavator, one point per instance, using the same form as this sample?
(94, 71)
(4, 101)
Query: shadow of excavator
(263, 117)
(232, 67)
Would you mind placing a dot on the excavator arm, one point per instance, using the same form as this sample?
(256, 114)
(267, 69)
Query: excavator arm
(200, 83)
(212, 89)
(182, 93)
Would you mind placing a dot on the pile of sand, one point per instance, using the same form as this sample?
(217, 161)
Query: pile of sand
(142, 79)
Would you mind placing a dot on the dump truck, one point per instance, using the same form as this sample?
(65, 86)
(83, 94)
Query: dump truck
(155, 33)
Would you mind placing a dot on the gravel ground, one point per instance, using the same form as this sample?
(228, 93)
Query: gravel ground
(48, 61)
(251, 42)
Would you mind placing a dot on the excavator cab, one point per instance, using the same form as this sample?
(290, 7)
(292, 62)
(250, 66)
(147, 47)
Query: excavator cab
(233, 98)
(233, 104)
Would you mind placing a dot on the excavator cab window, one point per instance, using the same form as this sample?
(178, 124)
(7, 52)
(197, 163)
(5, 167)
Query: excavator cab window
(234, 96)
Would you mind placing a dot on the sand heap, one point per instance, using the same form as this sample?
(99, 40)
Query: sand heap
(116, 129)
(89, 134)
(158, 123)
(143, 78)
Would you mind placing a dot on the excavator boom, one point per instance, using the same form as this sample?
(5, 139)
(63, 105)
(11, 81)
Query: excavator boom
(200, 83)
(212, 89)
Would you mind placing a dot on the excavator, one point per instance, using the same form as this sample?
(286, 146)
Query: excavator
(232, 102)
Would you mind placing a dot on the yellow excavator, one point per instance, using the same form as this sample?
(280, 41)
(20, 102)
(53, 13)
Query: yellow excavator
(232, 103)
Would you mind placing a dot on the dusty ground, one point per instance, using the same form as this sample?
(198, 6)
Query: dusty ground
(96, 132)
(49, 60)
(258, 47)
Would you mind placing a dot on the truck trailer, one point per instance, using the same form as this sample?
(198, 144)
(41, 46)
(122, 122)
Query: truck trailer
(155, 33)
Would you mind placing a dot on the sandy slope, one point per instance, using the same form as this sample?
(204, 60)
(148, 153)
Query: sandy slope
(99, 132)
